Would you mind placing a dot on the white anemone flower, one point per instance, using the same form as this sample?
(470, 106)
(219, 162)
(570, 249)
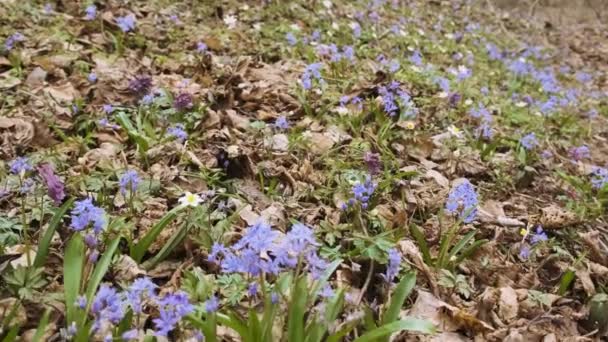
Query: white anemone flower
(190, 200)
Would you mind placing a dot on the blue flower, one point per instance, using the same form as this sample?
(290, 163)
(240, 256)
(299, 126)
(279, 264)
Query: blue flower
(126, 23)
(579, 153)
(529, 141)
(212, 304)
(311, 73)
(129, 182)
(539, 236)
(291, 39)
(201, 47)
(416, 58)
(524, 252)
(140, 288)
(394, 264)
(362, 192)
(85, 214)
(252, 289)
(92, 77)
(281, 122)
(91, 12)
(172, 308)
(599, 177)
(20, 165)
(462, 200)
(132, 334)
(9, 43)
(178, 132)
(107, 108)
(107, 306)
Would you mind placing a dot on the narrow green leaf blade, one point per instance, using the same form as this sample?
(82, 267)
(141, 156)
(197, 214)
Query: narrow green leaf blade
(297, 310)
(100, 269)
(72, 274)
(403, 290)
(411, 324)
(45, 241)
(139, 250)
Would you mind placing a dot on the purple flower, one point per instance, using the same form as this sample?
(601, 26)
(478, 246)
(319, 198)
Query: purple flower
(183, 101)
(178, 132)
(529, 141)
(129, 182)
(372, 160)
(599, 177)
(92, 77)
(356, 29)
(141, 84)
(291, 39)
(493, 52)
(583, 77)
(201, 47)
(91, 12)
(327, 291)
(212, 304)
(16, 37)
(539, 236)
(252, 289)
(27, 186)
(453, 99)
(462, 200)
(281, 122)
(362, 192)
(172, 308)
(416, 58)
(85, 214)
(579, 153)
(107, 108)
(54, 184)
(81, 302)
(443, 83)
(394, 264)
(90, 240)
(48, 9)
(93, 256)
(524, 252)
(126, 23)
(312, 73)
(20, 165)
(107, 307)
(104, 122)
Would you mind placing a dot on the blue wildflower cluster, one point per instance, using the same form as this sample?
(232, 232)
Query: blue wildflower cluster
(178, 132)
(362, 193)
(20, 165)
(10, 42)
(126, 23)
(529, 141)
(281, 122)
(311, 74)
(599, 177)
(291, 39)
(129, 182)
(393, 266)
(109, 308)
(90, 12)
(397, 101)
(462, 201)
(579, 153)
(263, 250)
(484, 130)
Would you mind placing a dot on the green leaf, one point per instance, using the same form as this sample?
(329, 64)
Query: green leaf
(470, 250)
(411, 324)
(316, 331)
(406, 285)
(45, 241)
(171, 244)
(139, 250)
(424, 248)
(44, 321)
(140, 140)
(234, 322)
(460, 245)
(12, 335)
(100, 270)
(565, 282)
(297, 310)
(72, 274)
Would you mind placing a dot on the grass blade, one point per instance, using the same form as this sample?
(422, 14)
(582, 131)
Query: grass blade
(44, 321)
(424, 248)
(139, 250)
(403, 290)
(100, 269)
(45, 241)
(297, 310)
(173, 242)
(72, 275)
(411, 324)
(460, 245)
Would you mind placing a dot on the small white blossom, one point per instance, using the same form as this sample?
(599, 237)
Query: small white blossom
(190, 200)
(230, 21)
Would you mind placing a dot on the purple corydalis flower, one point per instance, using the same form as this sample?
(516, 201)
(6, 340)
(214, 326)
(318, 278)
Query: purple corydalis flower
(129, 182)
(281, 122)
(126, 23)
(372, 160)
(141, 84)
(178, 132)
(54, 184)
(20, 165)
(529, 141)
(393, 266)
(85, 213)
(462, 200)
(183, 101)
(91, 12)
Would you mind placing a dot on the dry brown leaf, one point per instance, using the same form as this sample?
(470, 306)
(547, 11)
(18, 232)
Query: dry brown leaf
(63, 93)
(7, 305)
(104, 153)
(492, 212)
(49, 331)
(507, 304)
(438, 177)
(36, 77)
(584, 278)
(16, 131)
(8, 81)
(126, 269)
(591, 240)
